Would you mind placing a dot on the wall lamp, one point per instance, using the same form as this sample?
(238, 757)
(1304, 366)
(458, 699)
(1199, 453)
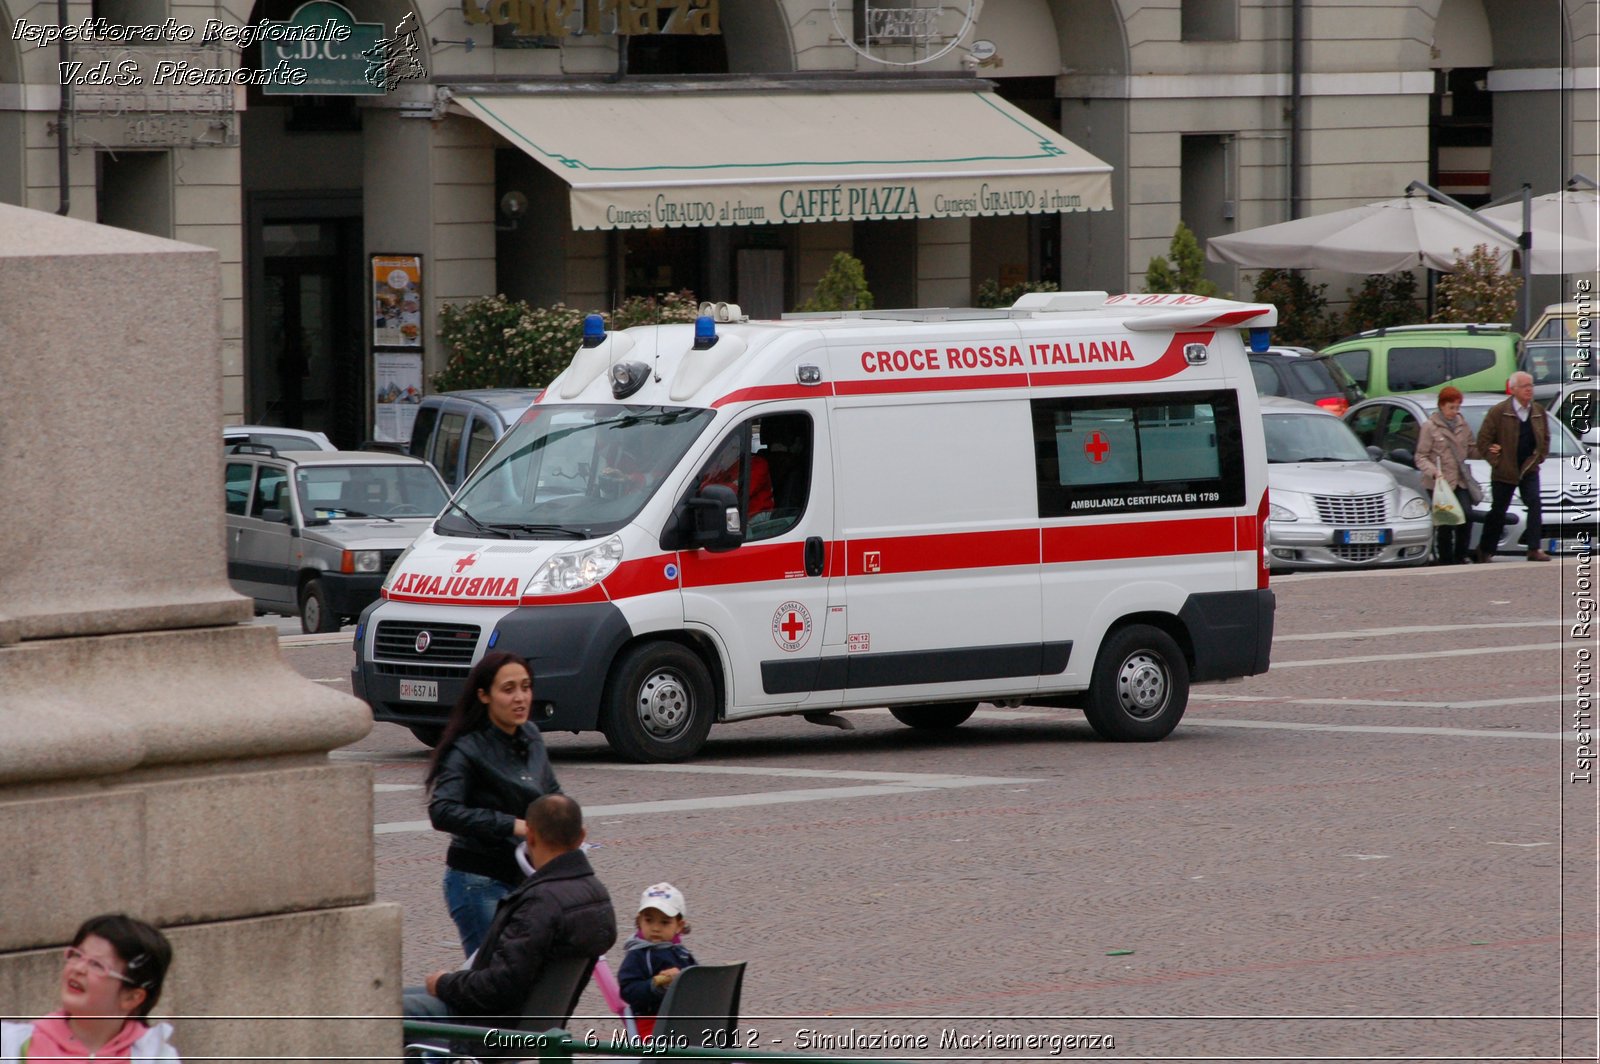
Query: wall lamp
(513, 205)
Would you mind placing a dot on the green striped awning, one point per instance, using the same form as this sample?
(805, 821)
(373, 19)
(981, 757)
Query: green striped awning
(668, 159)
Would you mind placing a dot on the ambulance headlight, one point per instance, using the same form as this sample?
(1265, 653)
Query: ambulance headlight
(576, 570)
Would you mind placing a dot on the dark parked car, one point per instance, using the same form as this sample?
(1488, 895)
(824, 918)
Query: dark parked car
(454, 430)
(1310, 380)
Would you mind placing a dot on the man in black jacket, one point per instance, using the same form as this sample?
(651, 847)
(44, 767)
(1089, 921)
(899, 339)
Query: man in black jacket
(562, 910)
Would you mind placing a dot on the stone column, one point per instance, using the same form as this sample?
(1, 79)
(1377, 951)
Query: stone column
(157, 755)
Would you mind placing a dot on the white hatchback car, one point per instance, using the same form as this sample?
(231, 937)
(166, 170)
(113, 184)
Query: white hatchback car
(1333, 507)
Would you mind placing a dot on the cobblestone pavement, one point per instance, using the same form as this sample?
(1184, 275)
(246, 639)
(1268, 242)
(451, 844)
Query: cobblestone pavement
(1375, 850)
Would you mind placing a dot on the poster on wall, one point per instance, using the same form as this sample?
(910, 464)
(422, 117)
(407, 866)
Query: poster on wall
(397, 301)
(397, 378)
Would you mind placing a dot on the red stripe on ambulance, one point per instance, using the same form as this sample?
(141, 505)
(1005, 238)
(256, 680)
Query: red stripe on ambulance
(956, 550)
(1142, 539)
(767, 392)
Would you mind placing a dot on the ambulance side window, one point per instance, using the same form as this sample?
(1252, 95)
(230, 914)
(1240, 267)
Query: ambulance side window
(776, 450)
(1168, 451)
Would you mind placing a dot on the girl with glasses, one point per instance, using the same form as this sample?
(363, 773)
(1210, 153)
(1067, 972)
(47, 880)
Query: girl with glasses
(111, 978)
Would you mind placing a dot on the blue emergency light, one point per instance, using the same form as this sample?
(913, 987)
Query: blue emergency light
(705, 332)
(1260, 340)
(594, 331)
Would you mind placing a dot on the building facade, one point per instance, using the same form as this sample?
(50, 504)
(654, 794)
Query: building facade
(1226, 114)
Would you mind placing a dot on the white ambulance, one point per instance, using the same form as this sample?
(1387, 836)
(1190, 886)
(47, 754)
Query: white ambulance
(1060, 503)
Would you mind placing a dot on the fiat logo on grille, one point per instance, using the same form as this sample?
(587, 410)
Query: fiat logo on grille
(424, 640)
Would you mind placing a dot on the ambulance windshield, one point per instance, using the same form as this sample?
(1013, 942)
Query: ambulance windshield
(572, 472)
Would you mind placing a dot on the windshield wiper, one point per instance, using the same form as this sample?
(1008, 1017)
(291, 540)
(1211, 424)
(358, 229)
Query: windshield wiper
(473, 521)
(573, 533)
(355, 513)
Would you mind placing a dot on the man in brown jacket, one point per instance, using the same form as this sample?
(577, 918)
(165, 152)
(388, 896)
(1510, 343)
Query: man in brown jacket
(1514, 438)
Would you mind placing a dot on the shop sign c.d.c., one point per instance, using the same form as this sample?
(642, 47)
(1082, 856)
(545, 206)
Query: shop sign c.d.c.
(333, 61)
(625, 18)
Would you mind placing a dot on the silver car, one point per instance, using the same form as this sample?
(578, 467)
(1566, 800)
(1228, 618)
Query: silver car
(1389, 426)
(1333, 507)
(313, 533)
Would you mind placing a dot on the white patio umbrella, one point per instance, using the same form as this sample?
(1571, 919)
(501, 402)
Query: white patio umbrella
(1566, 229)
(1383, 237)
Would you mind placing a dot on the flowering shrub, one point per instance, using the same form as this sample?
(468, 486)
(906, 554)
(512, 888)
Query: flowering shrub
(990, 294)
(1476, 290)
(495, 342)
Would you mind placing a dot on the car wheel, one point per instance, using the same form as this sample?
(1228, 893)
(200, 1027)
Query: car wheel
(1140, 686)
(315, 616)
(936, 717)
(427, 734)
(659, 703)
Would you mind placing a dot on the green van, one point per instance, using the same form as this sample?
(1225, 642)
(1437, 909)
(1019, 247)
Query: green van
(1425, 358)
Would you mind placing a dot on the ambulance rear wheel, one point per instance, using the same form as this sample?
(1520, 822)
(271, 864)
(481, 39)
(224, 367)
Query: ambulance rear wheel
(935, 718)
(1140, 686)
(659, 704)
(315, 616)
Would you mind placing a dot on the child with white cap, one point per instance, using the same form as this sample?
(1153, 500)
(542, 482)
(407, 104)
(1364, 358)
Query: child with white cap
(653, 955)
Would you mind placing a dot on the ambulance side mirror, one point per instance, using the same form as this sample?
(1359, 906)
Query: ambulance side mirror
(708, 521)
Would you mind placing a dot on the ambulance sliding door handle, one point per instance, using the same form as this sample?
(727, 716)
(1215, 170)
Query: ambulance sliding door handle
(816, 555)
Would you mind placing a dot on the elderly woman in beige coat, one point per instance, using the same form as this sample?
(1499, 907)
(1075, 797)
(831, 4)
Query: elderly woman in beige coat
(1443, 447)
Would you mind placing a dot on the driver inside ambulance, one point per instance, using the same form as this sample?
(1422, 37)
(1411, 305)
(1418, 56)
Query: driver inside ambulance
(724, 470)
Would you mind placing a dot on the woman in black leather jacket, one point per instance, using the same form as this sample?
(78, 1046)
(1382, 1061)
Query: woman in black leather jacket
(489, 766)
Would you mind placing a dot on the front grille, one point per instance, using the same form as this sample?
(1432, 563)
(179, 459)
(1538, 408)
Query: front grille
(421, 672)
(1351, 509)
(1558, 499)
(449, 644)
(1361, 552)
(387, 558)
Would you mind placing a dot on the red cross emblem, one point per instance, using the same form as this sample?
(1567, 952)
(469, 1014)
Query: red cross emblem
(463, 564)
(791, 626)
(1096, 448)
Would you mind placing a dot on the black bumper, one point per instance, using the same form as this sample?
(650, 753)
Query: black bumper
(1231, 632)
(350, 593)
(569, 647)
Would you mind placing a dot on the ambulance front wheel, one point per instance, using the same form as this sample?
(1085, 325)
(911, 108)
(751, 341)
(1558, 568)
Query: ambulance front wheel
(1140, 686)
(941, 717)
(659, 703)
